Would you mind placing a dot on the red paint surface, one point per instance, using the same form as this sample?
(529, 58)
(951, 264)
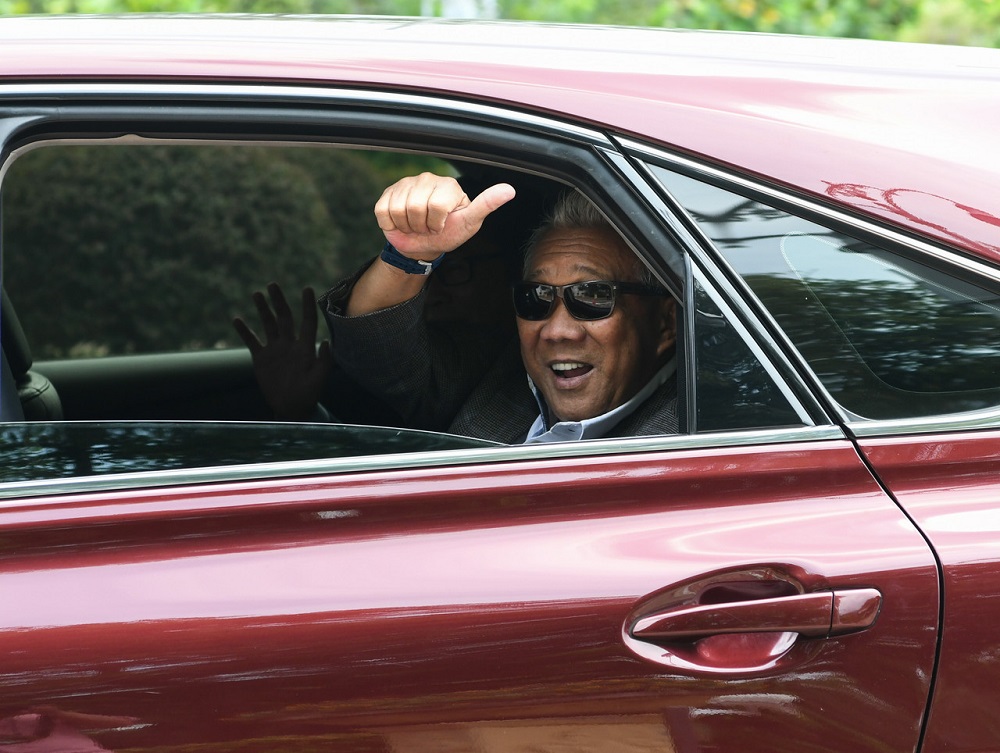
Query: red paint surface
(418, 609)
(949, 485)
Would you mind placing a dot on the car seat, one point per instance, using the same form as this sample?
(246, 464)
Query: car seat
(10, 403)
(36, 395)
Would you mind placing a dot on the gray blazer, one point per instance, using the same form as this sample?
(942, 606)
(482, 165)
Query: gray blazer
(461, 378)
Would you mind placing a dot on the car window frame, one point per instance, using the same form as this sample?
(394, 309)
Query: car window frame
(585, 158)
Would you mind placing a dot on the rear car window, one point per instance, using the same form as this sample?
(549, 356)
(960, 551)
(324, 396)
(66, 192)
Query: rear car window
(888, 336)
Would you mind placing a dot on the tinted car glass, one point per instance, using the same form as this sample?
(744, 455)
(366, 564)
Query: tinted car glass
(41, 451)
(889, 337)
(733, 389)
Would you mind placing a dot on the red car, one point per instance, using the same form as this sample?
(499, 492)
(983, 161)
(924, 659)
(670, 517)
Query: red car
(811, 564)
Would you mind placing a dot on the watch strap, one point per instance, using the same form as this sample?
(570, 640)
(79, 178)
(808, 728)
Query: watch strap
(411, 266)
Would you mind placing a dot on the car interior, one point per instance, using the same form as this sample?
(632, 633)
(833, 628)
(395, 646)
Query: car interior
(27, 394)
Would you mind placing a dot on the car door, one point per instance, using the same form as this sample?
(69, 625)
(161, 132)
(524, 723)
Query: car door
(765, 595)
(947, 481)
(747, 585)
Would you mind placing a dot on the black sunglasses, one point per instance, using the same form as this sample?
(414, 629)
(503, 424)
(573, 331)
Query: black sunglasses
(594, 299)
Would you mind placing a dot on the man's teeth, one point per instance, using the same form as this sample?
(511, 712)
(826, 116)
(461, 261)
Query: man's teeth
(567, 366)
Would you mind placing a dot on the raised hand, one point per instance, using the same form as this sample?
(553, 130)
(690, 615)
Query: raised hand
(290, 370)
(423, 216)
(426, 215)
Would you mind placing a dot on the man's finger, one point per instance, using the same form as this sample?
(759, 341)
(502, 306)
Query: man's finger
(310, 319)
(488, 202)
(447, 197)
(395, 215)
(419, 204)
(282, 311)
(247, 335)
(383, 214)
(267, 320)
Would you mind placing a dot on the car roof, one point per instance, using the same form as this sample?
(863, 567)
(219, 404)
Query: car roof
(902, 132)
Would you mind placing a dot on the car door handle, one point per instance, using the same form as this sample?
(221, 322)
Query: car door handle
(814, 615)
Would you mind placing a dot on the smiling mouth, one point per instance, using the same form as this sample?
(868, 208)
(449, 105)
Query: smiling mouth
(570, 369)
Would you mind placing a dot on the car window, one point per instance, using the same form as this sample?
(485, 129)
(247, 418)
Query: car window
(43, 451)
(126, 263)
(889, 337)
(733, 389)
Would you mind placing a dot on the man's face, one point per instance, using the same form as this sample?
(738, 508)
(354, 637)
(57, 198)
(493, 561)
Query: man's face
(586, 368)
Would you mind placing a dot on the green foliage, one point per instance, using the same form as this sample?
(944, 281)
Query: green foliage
(970, 22)
(848, 18)
(366, 7)
(154, 248)
(965, 22)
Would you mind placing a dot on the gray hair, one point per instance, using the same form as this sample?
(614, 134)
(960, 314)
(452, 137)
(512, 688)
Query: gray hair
(574, 211)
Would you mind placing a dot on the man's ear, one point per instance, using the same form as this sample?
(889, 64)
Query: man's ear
(666, 325)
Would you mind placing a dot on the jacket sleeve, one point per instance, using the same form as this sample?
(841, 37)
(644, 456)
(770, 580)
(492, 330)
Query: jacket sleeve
(423, 373)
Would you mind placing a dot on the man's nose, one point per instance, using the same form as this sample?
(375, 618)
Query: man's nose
(561, 325)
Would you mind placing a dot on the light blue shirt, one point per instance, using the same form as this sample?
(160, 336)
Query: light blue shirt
(597, 427)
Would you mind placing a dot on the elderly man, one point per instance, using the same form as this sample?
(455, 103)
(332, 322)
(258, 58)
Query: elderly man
(595, 334)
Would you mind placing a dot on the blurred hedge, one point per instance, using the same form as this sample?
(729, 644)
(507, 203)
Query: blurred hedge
(967, 22)
(127, 249)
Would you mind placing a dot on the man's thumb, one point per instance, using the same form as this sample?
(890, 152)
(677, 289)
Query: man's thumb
(489, 201)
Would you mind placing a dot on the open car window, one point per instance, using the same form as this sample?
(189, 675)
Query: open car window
(125, 262)
(127, 249)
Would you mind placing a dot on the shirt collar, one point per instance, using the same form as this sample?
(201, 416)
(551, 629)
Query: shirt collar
(599, 426)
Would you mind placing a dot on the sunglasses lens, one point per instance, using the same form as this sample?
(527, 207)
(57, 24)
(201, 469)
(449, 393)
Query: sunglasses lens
(533, 301)
(590, 300)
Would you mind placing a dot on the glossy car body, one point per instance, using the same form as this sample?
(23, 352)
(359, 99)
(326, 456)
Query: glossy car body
(810, 565)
